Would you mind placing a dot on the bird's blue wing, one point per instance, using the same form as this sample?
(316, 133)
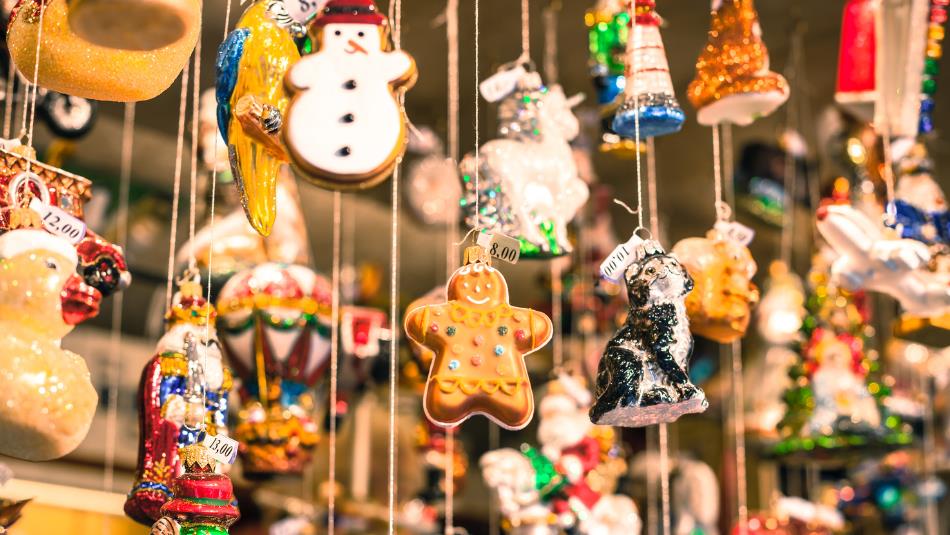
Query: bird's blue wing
(226, 68)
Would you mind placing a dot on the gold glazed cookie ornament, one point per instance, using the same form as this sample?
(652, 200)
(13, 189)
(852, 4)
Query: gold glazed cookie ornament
(115, 50)
(479, 341)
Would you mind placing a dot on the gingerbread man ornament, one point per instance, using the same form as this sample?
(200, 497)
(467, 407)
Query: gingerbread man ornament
(480, 342)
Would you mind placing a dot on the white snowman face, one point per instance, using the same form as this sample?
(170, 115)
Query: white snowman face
(357, 40)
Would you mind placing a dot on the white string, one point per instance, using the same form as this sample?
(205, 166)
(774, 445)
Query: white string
(176, 187)
(652, 513)
(8, 100)
(550, 41)
(450, 481)
(36, 74)
(651, 189)
(728, 173)
(665, 479)
(525, 31)
(396, 6)
(334, 358)
(452, 140)
(738, 400)
(493, 444)
(478, 158)
(115, 338)
(631, 53)
(193, 185)
(722, 209)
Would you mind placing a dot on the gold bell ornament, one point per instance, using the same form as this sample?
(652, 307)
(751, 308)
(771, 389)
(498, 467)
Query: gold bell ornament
(733, 83)
(115, 50)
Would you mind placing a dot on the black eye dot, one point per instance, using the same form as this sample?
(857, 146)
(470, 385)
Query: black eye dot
(337, 32)
(50, 264)
(361, 34)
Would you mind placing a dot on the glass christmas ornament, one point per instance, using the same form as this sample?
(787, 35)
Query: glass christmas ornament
(250, 69)
(434, 190)
(528, 187)
(274, 325)
(642, 377)
(781, 311)
(720, 305)
(479, 341)
(204, 501)
(648, 92)
(97, 50)
(733, 83)
(47, 400)
(102, 268)
(569, 482)
(856, 86)
(345, 128)
(183, 395)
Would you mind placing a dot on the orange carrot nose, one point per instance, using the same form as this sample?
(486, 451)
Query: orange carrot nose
(355, 47)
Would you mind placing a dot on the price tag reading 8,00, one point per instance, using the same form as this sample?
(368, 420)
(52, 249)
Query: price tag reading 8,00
(501, 247)
(223, 449)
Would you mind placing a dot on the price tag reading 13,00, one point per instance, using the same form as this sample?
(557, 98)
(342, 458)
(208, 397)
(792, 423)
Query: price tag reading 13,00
(223, 449)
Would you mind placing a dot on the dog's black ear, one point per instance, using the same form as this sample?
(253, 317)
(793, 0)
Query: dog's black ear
(638, 291)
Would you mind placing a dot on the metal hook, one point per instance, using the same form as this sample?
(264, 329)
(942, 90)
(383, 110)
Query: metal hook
(625, 205)
(723, 211)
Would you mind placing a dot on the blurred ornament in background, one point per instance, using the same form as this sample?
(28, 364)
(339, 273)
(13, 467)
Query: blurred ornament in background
(901, 41)
(183, 395)
(204, 501)
(642, 378)
(47, 401)
(274, 324)
(936, 31)
(252, 101)
(649, 103)
(733, 83)
(793, 516)
(434, 190)
(856, 86)
(528, 186)
(720, 305)
(782, 309)
(694, 491)
(96, 50)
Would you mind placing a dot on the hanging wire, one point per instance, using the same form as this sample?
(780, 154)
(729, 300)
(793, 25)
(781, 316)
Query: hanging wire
(632, 86)
(36, 75)
(665, 479)
(550, 40)
(193, 183)
(334, 359)
(8, 98)
(478, 159)
(738, 422)
(396, 7)
(525, 31)
(115, 335)
(176, 187)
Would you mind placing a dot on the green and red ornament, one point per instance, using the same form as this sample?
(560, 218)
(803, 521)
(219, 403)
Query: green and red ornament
(204, 501)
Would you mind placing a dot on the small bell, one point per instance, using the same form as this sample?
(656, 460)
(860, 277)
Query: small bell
(648, 89)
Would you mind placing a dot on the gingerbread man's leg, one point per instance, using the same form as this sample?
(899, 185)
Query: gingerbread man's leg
(618, 381)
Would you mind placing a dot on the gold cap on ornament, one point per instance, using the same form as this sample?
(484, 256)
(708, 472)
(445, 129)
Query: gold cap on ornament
(197, 458)
(476, 253)
(735, 59)
(190, 306)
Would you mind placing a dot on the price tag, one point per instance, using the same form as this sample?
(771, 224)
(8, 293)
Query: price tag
(58, 222)
(501, 84)
(735, 231)
(303, 10)
(619, 259)
(500, 246)
(223, 449)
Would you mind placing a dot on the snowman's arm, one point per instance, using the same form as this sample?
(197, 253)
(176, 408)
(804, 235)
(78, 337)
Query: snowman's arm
(303, 74)
(417, 321)
(399, 68)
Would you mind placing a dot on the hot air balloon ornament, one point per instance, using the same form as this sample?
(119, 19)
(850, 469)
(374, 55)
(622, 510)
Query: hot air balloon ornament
(649, 106)
(274, 324)
(733, 83)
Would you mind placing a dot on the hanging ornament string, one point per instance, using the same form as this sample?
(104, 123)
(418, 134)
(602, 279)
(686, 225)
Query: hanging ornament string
(651, 436)
(728, 173)
(193, 183)
(550, 40)
(557, 283)
(396, 7)
(651, 479)
(478, 158)
(790, 172)
(115, 337)
(334, 359)
(651, 189)
(493, 444)
(176, 185)
(8, 98)
(723, 211)
(738, 422)
(665, 478)
(36, 76)
(633, 90)
(525, 32)
(929, 451)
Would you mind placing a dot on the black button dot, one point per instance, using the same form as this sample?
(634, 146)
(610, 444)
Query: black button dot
(344, 151)
(348, 118)
(349, 84)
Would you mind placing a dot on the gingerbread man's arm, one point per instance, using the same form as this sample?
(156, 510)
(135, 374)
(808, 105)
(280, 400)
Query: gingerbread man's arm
(417, 321)
(541, 329)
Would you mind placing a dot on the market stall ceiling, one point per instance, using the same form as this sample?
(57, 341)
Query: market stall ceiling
(684, 159)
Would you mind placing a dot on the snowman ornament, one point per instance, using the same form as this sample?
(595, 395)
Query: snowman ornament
(345, 128)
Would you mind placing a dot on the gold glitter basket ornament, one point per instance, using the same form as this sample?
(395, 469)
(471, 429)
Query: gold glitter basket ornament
(733, 82)
(104, 50)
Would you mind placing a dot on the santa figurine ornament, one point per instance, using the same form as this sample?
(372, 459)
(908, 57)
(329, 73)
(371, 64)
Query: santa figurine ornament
(345, 126)
(480, 342)
(733, 82)
(183, 395)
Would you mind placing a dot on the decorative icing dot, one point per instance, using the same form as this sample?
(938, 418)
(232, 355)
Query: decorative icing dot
(450, 330)
(434, 327)
(453, 364)
(476, 360)
(518, 317)
(457, 349)
(503, 330)
(478, 340)
(499, 350)
(520, 335)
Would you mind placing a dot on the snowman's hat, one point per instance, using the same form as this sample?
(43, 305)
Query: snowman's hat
(349, 12)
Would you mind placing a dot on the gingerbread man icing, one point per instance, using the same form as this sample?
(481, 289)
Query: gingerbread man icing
(480, 342)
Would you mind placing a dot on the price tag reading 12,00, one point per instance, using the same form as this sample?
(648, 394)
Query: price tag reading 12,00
(58, 222)
(223, 449)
